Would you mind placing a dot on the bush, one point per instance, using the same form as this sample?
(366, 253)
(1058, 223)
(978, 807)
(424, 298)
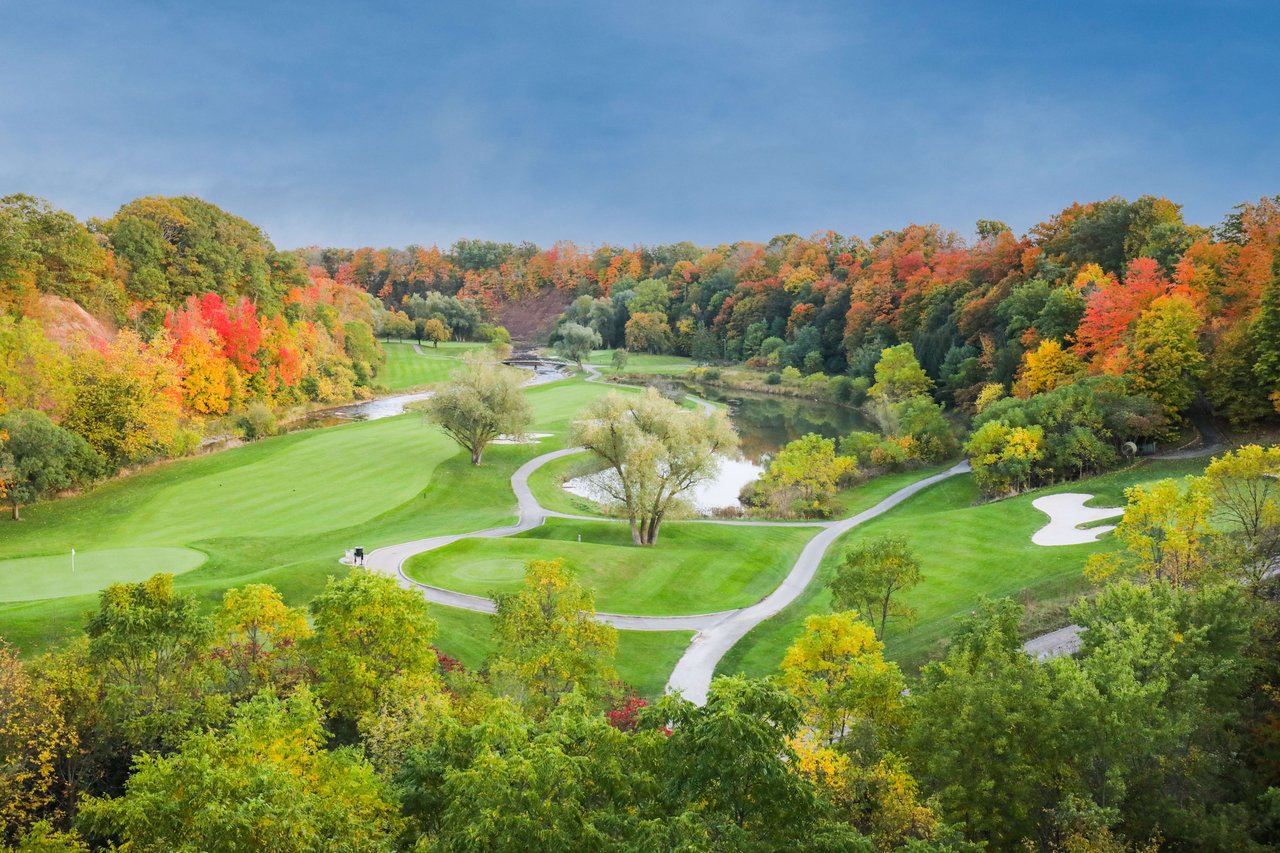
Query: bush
(258, 421)
(773, 379)
(838, 388)
(791, 374)
(711, 374)
(859, 445)
(858, 390)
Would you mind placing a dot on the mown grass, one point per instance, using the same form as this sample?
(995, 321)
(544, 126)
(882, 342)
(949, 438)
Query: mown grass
(968, 551)
(405, 369)
(640, 362)
(282, 511)
(695, 568)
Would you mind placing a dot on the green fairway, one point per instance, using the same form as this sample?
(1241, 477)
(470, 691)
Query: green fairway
(967, 551)
(52, 576)
(640, 362)
(405, 369)
(695, 568)
(280, 511)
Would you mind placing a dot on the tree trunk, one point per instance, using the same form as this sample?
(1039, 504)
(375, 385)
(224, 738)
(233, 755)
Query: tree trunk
(654, 524)
(476, 453)
(16, 515)
(636, 538)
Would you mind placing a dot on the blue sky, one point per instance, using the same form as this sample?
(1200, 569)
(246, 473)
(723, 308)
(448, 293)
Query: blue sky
(391, 123)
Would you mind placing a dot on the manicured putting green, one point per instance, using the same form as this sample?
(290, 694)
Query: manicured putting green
(33, 578)
(695, 568)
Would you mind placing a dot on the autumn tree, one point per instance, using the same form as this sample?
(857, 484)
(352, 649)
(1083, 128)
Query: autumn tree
(38, 457)
(547, 641)
(656, 453)
(266, 782)
(125, 402)
(837, 670)
(34, 372)
(805, 475)
(648, 332)
(482, 401)
(368, 631)
(1245, 486)
(1166, 360)
(1004, 457)
(871, 576)
(1166, 535)
(259, 640)
(1047, 367)
(34, 740)
(435, 331)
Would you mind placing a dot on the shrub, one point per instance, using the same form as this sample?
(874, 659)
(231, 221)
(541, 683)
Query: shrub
(258, 421)
(791, 374)
(773, 379)
(711, 374)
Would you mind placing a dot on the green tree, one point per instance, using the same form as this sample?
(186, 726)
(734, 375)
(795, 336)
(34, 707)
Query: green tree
(547, 641)
(368, 630)
(731, 760)
(149, 650)
(656, 451)
(576, 342)
(1004, 457)
(988, 738)
(40, 457)
(899, 375)
(805, 475)
(619, 359)
(871, 575)
(265, 783)
(705, 348)
(482, 401)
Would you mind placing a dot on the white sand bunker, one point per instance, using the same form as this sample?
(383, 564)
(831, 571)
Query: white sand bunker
(529, 438)
(1066, 513)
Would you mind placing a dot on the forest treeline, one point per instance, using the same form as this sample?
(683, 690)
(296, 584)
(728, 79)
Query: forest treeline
(1108, 288)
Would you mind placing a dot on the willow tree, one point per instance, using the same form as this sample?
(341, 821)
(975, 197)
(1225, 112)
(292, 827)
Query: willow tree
(657, 452)
(483, 400)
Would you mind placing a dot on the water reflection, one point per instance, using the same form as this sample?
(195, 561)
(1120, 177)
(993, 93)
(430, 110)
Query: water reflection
(764, 423)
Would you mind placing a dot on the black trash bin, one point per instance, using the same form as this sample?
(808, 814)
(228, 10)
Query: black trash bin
(359, 555)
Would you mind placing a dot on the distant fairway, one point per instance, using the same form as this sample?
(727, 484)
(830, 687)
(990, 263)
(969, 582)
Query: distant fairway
(32, 578)
(406, 369)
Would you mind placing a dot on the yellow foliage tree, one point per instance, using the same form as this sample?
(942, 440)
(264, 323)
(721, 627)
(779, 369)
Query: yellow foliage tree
(1165, 534)
(836, 668)
(33, 739)
(1046, 367)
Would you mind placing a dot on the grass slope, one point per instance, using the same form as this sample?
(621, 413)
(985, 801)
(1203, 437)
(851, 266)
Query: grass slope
(405, 369)
(695, 568)
(967, 551)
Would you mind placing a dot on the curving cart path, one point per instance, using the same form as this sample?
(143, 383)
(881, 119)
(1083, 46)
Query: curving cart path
(715, 632)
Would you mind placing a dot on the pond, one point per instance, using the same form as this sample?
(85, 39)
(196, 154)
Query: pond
(388, 407)
(764, 423)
